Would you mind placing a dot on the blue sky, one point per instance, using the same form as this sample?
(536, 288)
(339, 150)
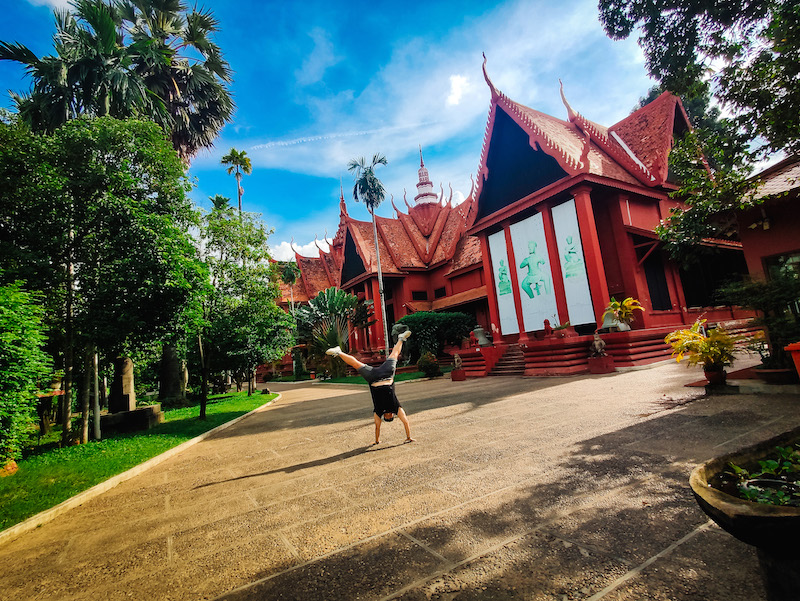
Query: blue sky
(319, 83)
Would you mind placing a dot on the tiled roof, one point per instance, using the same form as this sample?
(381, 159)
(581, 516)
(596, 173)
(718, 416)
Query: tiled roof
(648, 132)
(314, 276)
(780, 178)
(334, 270)
(570, 146)
(296, 292)
(467, 254)
(365, 241)
(396, 238)
(452, 232)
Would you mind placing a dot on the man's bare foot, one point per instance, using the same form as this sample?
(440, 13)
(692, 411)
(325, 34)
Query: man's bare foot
(410, 440)
(374, 443)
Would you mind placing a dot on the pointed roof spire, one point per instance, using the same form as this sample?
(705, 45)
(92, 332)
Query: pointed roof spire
(424, 186)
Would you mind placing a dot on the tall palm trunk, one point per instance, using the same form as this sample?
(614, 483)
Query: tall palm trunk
(380, 282)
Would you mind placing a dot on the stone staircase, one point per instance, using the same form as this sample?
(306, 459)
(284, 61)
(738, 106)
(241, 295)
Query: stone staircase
(512, 363)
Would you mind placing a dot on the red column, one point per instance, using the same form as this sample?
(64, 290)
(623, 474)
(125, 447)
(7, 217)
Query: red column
(512, 260)
(555, 265)
(491, 292)
(591, 251)
(379, 341)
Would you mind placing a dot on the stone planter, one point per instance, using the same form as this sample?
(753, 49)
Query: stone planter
(776, 376)
(794, 350)
(772, 529)
(601, 365)
(458, 375)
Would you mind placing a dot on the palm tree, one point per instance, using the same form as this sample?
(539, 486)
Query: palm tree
(239, 163)
(131, 57)
(369, 190)
(192, 85)
(91, 73)
(289, 275)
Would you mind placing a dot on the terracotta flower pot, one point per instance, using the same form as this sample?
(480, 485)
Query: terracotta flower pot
(716, 377)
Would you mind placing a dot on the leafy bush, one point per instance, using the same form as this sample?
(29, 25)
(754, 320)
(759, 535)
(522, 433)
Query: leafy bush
(22, 365)
(778, 301)
(431, 331)
(428, 365)
(714, 351)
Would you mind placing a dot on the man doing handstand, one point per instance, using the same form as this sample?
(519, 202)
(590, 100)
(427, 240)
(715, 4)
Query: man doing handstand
(381, 385)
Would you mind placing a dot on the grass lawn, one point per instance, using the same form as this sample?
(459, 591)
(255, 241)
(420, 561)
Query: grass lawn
(47, 476)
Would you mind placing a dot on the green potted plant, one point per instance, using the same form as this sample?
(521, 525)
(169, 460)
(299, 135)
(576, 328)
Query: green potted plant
(778, 303)
(620, 314)
(714, 350)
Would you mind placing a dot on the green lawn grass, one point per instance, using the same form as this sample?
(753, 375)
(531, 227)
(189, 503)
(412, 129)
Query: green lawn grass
(47, 476)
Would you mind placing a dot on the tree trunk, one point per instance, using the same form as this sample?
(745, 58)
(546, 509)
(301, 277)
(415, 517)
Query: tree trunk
(87, 384)
(95, 394)
(66, 398)
(380, 284)
(203, 379)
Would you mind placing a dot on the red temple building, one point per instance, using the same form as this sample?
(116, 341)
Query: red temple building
(562, 218)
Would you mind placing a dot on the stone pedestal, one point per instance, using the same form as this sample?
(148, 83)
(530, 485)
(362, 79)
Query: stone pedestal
(141, 418)
(602, 365)
(123, 395)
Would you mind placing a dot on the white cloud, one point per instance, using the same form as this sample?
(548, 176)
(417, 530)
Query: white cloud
(51, 3)
(283, 251)
(458, 84)
(319, 60)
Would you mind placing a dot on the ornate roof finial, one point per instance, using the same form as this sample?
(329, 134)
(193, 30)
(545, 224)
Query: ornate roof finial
(571, 114)
(486, 77)
(421, 164)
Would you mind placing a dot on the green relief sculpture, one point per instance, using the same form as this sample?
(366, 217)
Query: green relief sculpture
(504, 284)
(573, 262)
(537, 282)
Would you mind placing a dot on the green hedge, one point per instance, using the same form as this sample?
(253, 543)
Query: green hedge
(431, 331)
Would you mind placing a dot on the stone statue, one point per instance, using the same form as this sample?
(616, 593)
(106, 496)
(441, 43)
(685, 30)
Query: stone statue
(598, 346)
(398, 329)
(457, 361)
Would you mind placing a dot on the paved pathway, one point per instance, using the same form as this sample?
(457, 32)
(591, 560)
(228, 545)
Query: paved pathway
(518, 488)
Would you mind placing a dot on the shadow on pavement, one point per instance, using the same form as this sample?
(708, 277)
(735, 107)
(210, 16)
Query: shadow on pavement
(610, 506)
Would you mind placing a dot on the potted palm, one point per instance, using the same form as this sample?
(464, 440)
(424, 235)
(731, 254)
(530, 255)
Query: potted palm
(620, 314)
(713, 349)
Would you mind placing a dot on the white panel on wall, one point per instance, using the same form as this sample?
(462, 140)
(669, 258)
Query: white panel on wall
(534, 273)
(502, 283)
(573, 265)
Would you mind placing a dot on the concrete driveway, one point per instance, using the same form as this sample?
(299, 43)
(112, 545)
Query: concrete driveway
(517, 488)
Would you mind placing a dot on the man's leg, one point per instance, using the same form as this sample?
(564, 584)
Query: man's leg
(377, 428)
(395, 354)
(404, 418)
(349, 359)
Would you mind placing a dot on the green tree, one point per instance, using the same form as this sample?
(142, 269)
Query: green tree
(433, 330)
(238, 163)
(23, 364)
(750, 49)
(369, 190)
(242, 326)
(96, 216)
(130, 58)
(328, 321)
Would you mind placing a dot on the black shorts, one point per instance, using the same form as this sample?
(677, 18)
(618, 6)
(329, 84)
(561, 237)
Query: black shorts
(384, 400)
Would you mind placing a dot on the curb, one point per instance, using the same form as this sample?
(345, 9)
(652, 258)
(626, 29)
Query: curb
(48, 515)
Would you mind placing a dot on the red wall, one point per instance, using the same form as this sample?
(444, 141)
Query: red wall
(782, 237)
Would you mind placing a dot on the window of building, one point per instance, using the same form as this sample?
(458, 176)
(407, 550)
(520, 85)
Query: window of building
(439, 292)
(419, 295)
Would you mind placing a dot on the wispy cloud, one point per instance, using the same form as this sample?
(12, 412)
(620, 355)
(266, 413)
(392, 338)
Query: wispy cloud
(51, 3)
(319, 60)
